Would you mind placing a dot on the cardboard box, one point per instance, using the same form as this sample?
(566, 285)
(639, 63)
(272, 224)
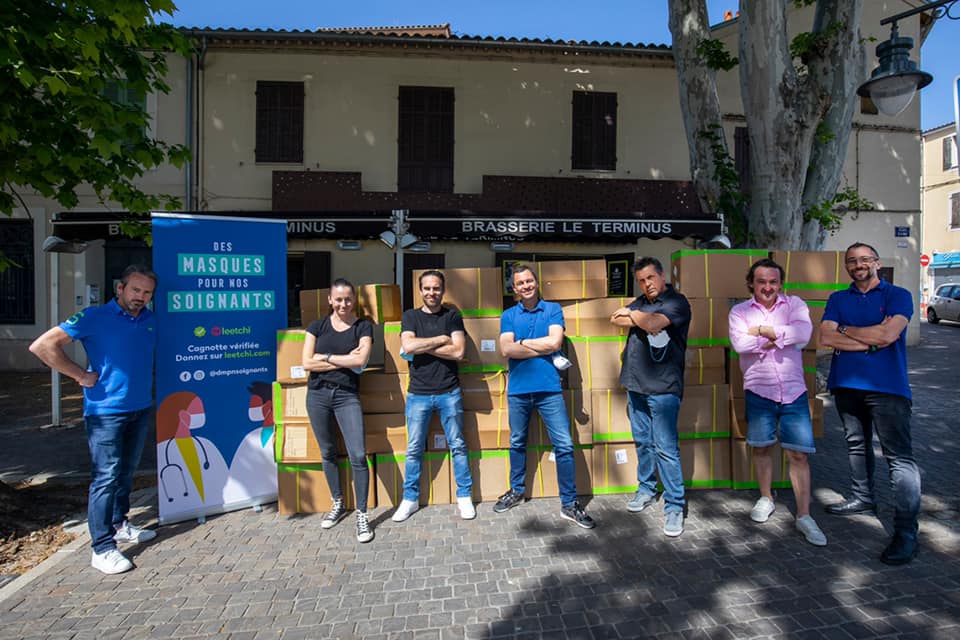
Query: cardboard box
(296, 443)
(304, 489)
(709, 322)
(571, 279)
(290, 356)
(713, 273)
(491, 474)
(614, 468)
(743, 474)
(611, 420)
(541, 475)
(705, 365)
(816, 308)
(705, 411)
(596, 362)
(813, 275)
(435, 478)
(579, 410)
(383, 392)
(377, 302)
(385, 432)
(738, 417)
(483, 346)
(290, 402)
(484, 391)
(486, 429)
(592, 317)
(735, 373)
(706, 463)
(392, 362)
(475, 291)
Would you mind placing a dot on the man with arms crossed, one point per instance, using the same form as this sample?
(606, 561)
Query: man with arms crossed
(434, 336)
(652, 373)
(120, 340)
(866, 325)
(531, 333)
(768, 331)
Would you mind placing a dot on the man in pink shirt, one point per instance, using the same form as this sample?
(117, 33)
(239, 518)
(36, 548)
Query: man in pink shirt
(768, 331)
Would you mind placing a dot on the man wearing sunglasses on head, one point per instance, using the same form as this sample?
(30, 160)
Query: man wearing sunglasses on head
(866, 324)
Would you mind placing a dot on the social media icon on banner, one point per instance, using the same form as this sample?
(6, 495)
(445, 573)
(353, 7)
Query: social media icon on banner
(199, 375)
(185, 376)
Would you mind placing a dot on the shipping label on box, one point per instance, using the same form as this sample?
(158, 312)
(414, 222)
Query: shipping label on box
(483, 346)
(705, 365)
(484, 391)
(303, 488)
(571, 279)
(595, 362)
(542, 480)
(377, 302)
(611, 418)
(491, 474)
(706, 463)
(614, 468)
(720, 273)
(743, 474)
(812, 275)
(592, 317)
(709, 322)
(290, 402)
(705, 412)
(579, 410)
(475, 291)
(290, 356)
(435, 478)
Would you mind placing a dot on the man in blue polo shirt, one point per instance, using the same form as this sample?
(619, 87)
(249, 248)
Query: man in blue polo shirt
(531, 334)
(120, 340)
(866, 325)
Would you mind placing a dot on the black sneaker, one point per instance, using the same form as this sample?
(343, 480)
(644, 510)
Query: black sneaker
(364, 532)
(335, 515)
(507, 501)
(575, 513)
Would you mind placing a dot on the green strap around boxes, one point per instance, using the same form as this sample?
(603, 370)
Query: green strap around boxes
(481, 313)
(285, 335)
(391, 328)
(709, 342)
(681, 253)
(482, 368)
(752, 484)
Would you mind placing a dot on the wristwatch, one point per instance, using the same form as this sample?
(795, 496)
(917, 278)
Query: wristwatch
(842, 329)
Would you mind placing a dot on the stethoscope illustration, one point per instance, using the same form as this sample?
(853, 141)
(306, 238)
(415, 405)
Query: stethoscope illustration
(168, 465)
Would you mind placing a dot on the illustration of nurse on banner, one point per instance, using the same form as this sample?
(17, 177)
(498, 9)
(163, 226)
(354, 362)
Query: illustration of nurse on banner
(192, 472)
(253, 471)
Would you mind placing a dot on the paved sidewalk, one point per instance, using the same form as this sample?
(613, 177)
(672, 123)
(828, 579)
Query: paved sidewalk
(529, 574)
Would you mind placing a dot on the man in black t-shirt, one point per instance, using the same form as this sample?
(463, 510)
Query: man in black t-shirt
(652, 373)
(434, 336)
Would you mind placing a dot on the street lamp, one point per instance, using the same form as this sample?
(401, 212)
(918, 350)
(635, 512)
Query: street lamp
(399, 238)
(892, 84)
(55, 245)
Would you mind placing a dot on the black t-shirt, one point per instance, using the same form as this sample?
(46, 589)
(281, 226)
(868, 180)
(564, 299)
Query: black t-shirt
(329, 340)
(652, 371)
(428, 373)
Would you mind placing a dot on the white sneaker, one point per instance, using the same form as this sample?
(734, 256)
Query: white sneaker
(131, 533)
(762, 510)
(467, 510)
(808, 527)
(110, 562)
(406, 509)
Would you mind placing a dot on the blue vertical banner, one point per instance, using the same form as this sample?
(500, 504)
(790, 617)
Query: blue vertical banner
(221, 297)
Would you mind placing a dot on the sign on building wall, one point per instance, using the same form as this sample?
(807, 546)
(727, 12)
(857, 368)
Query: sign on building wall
(221, 296)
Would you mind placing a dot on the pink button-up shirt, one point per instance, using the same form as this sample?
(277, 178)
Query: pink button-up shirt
(776, 373)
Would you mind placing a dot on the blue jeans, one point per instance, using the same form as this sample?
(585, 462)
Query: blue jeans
(653, 420)
(419, 410)
(116, 443)
(323, 404)
(554, 414)
(862, 413)
(795, 426)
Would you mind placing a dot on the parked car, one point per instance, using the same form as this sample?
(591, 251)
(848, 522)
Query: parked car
(945, 304)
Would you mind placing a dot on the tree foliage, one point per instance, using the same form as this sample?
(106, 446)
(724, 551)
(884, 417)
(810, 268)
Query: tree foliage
(61, 128)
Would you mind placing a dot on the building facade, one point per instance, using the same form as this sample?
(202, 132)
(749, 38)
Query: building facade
(941, 208)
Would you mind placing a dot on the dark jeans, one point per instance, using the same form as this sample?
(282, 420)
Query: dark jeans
(862, 413)
(554, 414)
(322, 405)
(116, 443)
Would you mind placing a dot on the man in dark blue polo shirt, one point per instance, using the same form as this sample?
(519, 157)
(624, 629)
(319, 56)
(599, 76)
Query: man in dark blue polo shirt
(120, 340)
(531, 334)
(866, 325)
(652, 373)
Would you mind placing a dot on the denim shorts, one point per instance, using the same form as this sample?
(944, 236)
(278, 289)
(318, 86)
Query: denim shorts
(796, 429)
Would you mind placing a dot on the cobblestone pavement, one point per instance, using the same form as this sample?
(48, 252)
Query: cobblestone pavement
(529, 574)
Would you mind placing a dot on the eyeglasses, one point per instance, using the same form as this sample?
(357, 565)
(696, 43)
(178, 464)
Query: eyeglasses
(861, 260)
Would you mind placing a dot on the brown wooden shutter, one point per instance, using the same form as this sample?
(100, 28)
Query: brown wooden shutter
(279, 136)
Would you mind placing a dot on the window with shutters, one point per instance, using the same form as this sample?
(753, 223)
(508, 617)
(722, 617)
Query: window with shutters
(949, 152)
(279, 122)
(425, 142)
(954, 211)
(594, 131)
(16, 282)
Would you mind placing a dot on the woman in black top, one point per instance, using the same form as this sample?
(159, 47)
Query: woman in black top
(335, 349)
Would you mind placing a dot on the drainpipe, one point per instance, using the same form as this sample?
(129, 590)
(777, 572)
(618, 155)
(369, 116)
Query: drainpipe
(188, 167)
(201, 201)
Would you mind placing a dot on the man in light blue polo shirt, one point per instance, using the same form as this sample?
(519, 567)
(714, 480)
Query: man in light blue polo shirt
(120, 340)
(531, 334)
